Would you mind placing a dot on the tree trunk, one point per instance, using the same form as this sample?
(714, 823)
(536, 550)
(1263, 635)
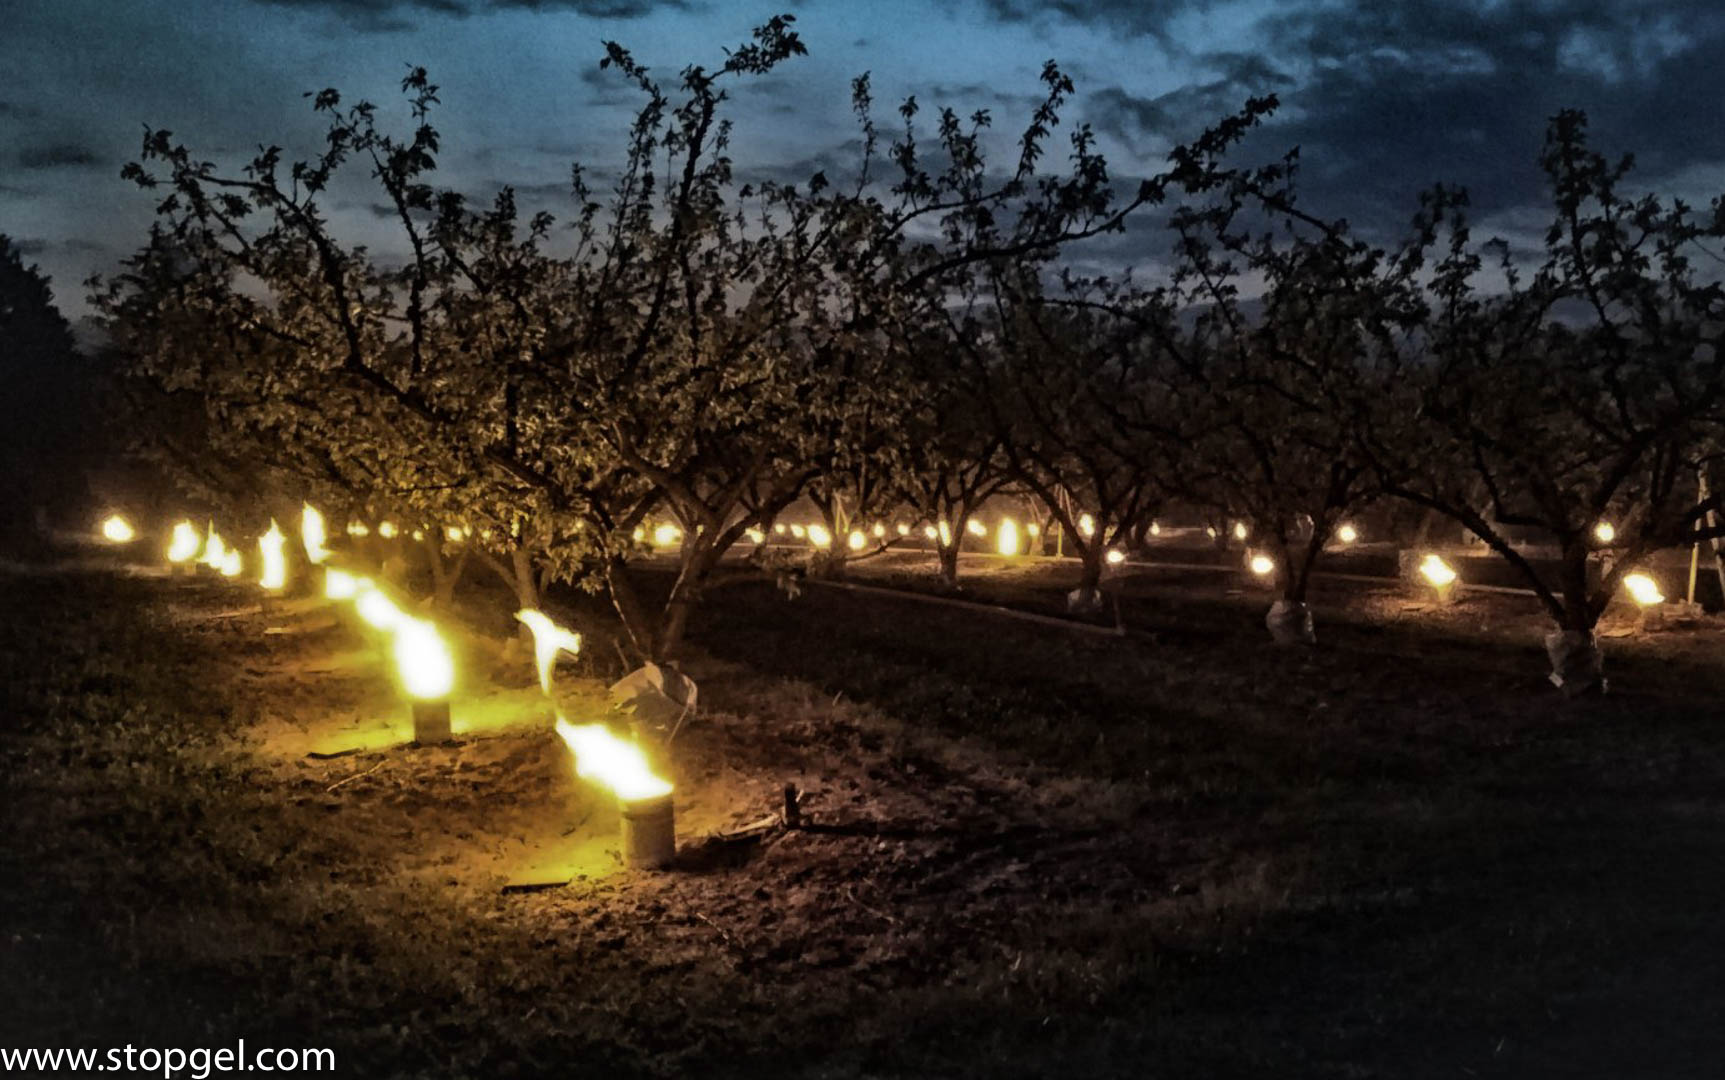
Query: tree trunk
(1088, 596)
(1577, 667)
(949, 562)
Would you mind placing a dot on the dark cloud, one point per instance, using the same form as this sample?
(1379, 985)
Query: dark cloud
(28, 247)
(392, 15)
(57, 155)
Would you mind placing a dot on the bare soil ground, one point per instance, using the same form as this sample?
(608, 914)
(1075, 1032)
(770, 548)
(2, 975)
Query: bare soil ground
(1036, 852)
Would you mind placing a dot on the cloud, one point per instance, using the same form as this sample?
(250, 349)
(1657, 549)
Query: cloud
(57, 155)
(392, 15)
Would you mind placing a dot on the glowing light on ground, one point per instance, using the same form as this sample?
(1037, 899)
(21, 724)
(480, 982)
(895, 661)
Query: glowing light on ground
(549, 639)
(1115, 556)
(1438, 572)
(378, 610)
(271, 547)
(340, 585)
(1006, 537)
(422, 659)
(313, 534)
(1347, 534)
(184, 545)
(857, 541)
(1604, 532)
(117, 530)
(756, 536)
(615, 763)
(1033, 529)
(418, 535)
(1643, 589)
(878, 531)
(1155, 528)
(666, 535)
(975, 528)
(780, 528)
(387, 530)
(232, 564)
(358, 529)
(820, 537)
(1240, 530)
(929, 532)
(1086, 525)
(1263, 565)
(215, 550)
(902, 529)
(455, 534)
(798, 531)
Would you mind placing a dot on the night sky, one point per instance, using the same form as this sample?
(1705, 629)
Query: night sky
(1383, 98)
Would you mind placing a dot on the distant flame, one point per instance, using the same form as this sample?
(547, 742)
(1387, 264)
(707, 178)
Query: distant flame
(1240, 530)
(312, 534)
(666, 535)
(879, 530)
(455, 534)
(975, 528)
(387, 530)
(1437, 571)
(1086, 525)
(1263, 565)
(616, 763)
(756, 536)
(232, 564)
(340, 585)
(1644, 590)
(1155, 528)
(930, 532)
(819, 537)
(798, 531)
(1033, 529)
(1605, 534)
(1115, 556)
(902, 529)
(185, 544)
(358, 529)
(1006, 537)
(779, 528)
(422, 659)
(857, 540)
(549, 639)
(117, 530)
(215, 550)
(1347, 534)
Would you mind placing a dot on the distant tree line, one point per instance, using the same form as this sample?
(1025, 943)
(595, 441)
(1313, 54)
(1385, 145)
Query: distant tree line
(915, 338)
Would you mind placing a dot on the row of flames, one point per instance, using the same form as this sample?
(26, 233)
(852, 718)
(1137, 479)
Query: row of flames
(424, 665)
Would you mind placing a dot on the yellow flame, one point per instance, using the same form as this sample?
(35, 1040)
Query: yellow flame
(639, 535)
(117, 530)
(1605, 533)
(819, 537)
(929, 532)
(232, 564)
(377, 609)
(358, 529)
(902, 529)
(1115, 556)
(1347, 534)
(313, 534)
(779, 528)
(857, 540)
(1240, 530)
(667, 534)
(1437, 571)
(418, 535)
(1263, 565)
(270, 546)
(879, 530)
(1033, 529)
(1086, 525)
(1644, 589)
(976, 528)
(798, 531)
(340, 585)
(1006, 537)
(756, 536)
(616, 763)
(422, 659)
(944, 531)
(215, 550)
(549, 639)
(1155, 528)
(387, 530)
(455, 534)
(185, 544)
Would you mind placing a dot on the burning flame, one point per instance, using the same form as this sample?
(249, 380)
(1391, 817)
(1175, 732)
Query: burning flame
(232, 564)
(639, 535)
(455, 534)
(930, 532)
(1006, 537)
(667, 534)
(422, 659)
(377, 609)
(117, 530)
(1086, 525)
(185, 544)
(418, 535)
(1437, 572)
(857, 540)
(1347, 534)
(975, 528)
(549, 639)
(1115, 556)
(819, 537)
(1644, 589)
(780, 528)
(944, 531)
(798, 531)
(879, 530)
(387, 530)
(616, 763)
(340, 585)
(215, 551)
(1263, 565)
(1155, 528)
(1605, 534)
(1240, 530)
(313, 534)
(756, 536)
(902, 529)
(1033, 529)
(270, 546)
(358, 529)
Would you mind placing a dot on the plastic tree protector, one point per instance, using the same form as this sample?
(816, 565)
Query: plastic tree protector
(549, 639)
(313, 534)
(271, 547)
